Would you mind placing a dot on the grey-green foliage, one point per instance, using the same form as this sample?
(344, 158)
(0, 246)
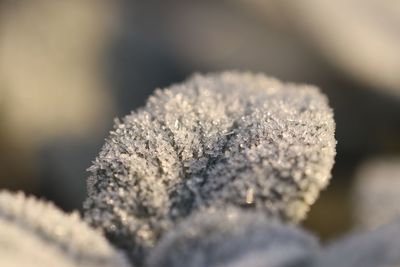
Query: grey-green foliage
(226, 138)
(35, 233)
(234, 238)
(377, 248)
(376, 196)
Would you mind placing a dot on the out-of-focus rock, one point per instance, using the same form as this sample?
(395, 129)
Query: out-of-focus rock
(51, 82)
(50, 58)
(216, 35)
(362, 38)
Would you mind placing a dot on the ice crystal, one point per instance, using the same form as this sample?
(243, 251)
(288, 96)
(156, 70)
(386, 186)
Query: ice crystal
(36, 233)
(378, 248)
(234, 238)
(226, 138)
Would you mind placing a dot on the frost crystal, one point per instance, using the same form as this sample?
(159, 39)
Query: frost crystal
(36, 233)
(378, 248)
(377, 192)
(233, 238)
(228, 138)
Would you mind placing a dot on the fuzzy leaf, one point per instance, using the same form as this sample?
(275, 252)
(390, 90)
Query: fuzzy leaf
(228, 138)
(377, 248)
(377, 192)
(234, 238)
(36, 233)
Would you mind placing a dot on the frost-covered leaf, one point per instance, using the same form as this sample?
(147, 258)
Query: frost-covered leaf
(377, 192)
(36, 233)
(378, 248)
(233, 238)
(226, 138)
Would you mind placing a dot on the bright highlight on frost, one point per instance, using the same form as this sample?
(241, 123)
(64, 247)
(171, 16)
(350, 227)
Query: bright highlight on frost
(229, 138)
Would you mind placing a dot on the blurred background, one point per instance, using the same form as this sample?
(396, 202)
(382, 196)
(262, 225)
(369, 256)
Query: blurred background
(68, 68)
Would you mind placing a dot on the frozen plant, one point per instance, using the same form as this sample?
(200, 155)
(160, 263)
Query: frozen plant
(378, 248)
(377, 192)
(214, 172)
(220, 139)
(36, 233)
(234, 238)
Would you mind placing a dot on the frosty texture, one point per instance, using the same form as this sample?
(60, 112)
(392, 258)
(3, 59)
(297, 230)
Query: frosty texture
(378, 248)
(377, 192)
(36, 233)
(227, 138)
(233, 238)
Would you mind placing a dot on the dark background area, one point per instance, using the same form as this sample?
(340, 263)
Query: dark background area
(67, 68)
